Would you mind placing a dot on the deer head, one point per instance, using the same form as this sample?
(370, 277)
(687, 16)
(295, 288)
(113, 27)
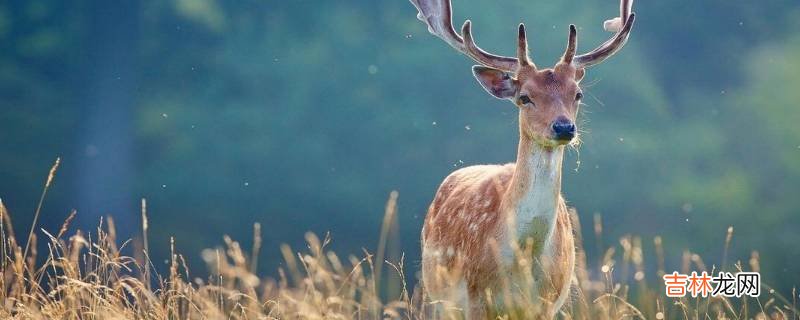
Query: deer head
(548, 99)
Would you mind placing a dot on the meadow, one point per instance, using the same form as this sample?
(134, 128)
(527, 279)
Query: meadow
(91, 274)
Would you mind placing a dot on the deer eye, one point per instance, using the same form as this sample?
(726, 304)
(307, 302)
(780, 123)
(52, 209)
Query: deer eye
(525, 100)
(579, 96)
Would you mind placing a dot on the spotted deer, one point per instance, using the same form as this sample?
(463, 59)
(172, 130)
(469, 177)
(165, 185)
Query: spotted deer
(494, 233)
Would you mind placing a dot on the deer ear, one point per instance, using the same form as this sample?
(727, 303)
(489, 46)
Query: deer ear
(499, 83)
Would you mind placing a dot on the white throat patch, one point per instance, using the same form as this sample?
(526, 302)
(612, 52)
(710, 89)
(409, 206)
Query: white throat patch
(536, 210)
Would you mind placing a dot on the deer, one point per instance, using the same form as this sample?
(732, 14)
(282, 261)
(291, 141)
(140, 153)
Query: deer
(494, 233)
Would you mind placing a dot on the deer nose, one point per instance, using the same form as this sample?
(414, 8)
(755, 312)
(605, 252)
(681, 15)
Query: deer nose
(563, 129)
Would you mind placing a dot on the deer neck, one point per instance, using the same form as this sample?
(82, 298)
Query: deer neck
(533, 196)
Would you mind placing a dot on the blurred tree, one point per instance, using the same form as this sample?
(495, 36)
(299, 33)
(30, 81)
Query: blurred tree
(107, 109)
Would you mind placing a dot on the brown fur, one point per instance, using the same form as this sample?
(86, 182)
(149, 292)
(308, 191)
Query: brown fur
(468, 224)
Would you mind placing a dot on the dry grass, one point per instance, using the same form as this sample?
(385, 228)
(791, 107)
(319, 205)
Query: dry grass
(89, 277)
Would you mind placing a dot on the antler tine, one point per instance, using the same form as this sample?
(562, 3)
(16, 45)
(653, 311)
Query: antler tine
(625, 9)
(522, 47)
(481, 56)
(437, 15)
(611, 46)
(572, 45)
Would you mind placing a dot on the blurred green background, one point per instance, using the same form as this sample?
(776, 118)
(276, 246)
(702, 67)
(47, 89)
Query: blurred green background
(304, 115)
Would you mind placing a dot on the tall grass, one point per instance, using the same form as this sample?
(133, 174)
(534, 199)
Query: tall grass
(98, 276)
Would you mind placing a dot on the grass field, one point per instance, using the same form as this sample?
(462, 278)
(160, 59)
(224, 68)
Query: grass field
(102, 277)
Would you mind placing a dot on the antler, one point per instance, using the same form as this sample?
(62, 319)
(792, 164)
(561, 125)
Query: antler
(572, 45)
(622, 25)
(438, 15)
